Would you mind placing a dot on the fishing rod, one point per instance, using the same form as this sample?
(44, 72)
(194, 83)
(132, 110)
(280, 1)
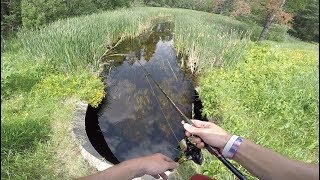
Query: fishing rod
(212, 150)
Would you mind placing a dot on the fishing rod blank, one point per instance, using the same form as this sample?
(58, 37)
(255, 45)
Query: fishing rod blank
(212, 150)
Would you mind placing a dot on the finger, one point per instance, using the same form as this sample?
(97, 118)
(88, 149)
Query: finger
(200, 145)
(201, 124)
(182, 122)
(192, 129)
(164, 176)
(156, 176)
(196, 140)
(188, 134)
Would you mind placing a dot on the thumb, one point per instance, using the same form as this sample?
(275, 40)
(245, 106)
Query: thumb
(192, 129)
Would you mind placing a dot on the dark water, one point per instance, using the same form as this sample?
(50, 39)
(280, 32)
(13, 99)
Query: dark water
(135, 118)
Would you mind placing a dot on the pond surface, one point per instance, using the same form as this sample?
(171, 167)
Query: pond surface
(135, 118)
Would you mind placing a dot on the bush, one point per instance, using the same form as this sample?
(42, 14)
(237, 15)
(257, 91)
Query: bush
(83, 86)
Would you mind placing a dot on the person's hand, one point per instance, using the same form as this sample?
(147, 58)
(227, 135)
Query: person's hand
(208, 132)
(155, 165)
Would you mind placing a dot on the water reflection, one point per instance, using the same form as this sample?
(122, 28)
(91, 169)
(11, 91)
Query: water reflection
(135, 118)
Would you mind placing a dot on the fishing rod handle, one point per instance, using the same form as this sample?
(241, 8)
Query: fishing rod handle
(215, 151)
(234, 170)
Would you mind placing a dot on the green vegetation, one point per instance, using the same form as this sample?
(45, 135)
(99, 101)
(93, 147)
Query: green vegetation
(306, 23)
(265, 92)
(262, 99)
(36, 13)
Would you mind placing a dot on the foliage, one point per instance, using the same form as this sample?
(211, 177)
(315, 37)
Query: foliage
(10, 15)
(276, 7)
(19, 74)
(306, 23)
(36, 13)
(83, 86)
(270, 97)
(293, 6)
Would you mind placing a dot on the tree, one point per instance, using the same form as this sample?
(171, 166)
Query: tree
(10, 15)
(306, 23)
(241, 8)
(274, 10)
(223, 6)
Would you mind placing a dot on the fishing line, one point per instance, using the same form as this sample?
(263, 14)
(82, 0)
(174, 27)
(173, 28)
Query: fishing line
(172, 70)
(153, 92)
(212, 150)
(161, 109)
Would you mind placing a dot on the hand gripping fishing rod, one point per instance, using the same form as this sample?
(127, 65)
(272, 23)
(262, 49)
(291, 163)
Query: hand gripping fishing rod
(212, 150)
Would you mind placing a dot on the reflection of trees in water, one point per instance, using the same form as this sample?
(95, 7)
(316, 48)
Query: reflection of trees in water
(132, 57)
(134, 129)
(135, 126)
(145, 44)
(123, 87)
(179, 93)
(178, 90)
(146, 118)
(143, 102)
(150, 47)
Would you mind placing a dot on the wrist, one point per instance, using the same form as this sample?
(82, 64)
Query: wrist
(134, 167)
(231, 147)
(224, 139)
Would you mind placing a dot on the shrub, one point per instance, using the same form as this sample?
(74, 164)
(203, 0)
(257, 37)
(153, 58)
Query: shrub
(83, 86)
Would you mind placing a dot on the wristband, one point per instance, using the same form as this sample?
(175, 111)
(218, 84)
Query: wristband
(232, 146)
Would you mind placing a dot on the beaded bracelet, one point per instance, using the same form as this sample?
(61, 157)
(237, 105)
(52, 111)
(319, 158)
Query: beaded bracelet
(232, 146)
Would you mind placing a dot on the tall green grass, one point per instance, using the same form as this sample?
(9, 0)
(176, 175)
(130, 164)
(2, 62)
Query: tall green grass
(208, 41)
(78, 42)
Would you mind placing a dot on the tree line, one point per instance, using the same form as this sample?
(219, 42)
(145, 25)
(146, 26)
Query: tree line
(301, 18)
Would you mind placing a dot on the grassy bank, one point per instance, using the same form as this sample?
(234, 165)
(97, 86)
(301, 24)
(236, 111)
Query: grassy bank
(45, 71)
(270, 97)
